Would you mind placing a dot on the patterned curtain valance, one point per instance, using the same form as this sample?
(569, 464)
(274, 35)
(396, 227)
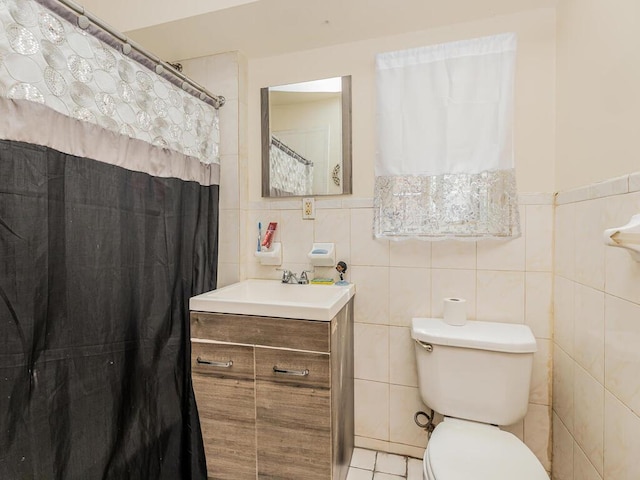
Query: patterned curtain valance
(46, 59)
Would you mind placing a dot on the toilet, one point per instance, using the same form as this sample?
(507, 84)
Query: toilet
(477, 376)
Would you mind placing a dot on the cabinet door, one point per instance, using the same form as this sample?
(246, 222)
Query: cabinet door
(223, 382)
(293, 406)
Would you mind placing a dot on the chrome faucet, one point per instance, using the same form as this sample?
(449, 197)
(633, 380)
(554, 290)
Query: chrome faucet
(289, 277)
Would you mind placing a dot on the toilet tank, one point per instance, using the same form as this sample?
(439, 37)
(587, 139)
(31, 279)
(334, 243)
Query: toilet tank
(480, 371)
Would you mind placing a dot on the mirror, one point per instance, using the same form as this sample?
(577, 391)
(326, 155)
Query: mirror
(306, 138)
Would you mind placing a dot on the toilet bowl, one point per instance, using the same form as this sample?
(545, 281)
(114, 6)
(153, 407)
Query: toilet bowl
(477, 376)
(463, 450)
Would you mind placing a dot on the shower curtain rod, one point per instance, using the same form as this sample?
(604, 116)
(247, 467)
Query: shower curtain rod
(85, 18)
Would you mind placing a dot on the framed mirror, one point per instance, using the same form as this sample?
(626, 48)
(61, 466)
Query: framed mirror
(306, 138)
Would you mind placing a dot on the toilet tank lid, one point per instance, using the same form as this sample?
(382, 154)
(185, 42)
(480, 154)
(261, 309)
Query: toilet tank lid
(497, 337)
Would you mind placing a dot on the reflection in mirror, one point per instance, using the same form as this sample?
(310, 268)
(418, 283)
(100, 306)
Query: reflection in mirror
(306, 138)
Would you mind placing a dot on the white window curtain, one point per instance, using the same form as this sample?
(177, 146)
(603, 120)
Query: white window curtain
(445, 163)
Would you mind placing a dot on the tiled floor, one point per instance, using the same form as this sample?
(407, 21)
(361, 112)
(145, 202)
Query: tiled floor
(371, 465)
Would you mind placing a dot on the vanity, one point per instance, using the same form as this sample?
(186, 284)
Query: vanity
(272, 370)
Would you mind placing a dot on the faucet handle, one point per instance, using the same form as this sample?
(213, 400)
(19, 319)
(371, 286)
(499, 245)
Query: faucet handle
(303, 276)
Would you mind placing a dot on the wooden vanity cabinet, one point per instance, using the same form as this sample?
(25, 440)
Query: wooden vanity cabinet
(298, 392)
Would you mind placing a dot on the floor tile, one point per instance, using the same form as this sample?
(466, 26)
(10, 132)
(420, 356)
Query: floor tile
(362, 458)
(359, 474)
(386, 476)
(414, 469)
(392, 464)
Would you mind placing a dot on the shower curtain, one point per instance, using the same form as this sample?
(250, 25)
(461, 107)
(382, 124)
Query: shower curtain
(108, 224)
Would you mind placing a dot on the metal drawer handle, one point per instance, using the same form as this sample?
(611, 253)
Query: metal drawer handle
(299, 373)
(228, 364)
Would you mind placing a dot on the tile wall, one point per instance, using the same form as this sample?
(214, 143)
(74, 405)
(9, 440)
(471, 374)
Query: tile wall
(226, 75)
(502, 281)
(596, 383)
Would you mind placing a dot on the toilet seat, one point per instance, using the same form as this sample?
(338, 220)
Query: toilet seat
(463, 450)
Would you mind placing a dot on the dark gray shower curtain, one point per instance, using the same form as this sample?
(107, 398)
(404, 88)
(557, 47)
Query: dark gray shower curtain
(97, 264)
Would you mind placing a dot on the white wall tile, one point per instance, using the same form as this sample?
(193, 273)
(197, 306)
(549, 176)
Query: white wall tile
(621, 440)
(536, 198)
(589, 249)
(447, 283)
(334, 226)
(228, 273)
(453, 254)
(613, 186)
(229, 236)
(537, 431)
(565, 260)
(409, 294)
(371, 303)
(410, 253)
(634, 182)
(539, 303)
(562, 451)
(573, 196)
(541, 374)
(229, 196)
(501, 254)
(539, 238)
(402, 359)
(564, 306)
(588, 428)
(622, 351)
(371, 409)
(500, 296)
(583, 469)
(404, 403)
(229, 136)
(589, 330)
(296, 236)
(563, 387)
(371, 352)
(365, 249)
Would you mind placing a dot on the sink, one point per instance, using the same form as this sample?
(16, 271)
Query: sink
(272, 298)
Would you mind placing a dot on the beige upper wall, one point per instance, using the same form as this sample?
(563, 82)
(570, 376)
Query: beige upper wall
(535, 92)
(598, 91)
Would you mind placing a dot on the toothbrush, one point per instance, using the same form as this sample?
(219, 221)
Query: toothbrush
(259, 236)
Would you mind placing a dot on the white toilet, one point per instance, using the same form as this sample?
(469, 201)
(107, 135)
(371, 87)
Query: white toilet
(477, 376)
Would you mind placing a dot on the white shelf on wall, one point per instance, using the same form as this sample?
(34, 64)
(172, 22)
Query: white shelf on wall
(322, 255)
(271, 256)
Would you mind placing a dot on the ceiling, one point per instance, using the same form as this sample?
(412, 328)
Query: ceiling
(261, 28)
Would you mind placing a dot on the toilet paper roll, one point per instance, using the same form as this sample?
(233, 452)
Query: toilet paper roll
(455, 311)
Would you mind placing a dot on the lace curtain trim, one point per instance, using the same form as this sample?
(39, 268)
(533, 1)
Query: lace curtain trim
(461, 206)
(46, 59)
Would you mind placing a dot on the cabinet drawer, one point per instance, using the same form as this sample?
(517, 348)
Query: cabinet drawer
(221, 360)
(271, 332)
(289, 367)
